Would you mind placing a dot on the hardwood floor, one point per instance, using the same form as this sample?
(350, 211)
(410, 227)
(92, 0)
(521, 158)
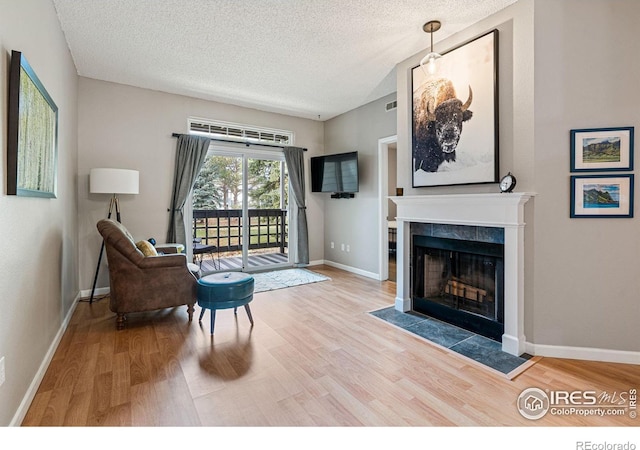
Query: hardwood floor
(314, 358)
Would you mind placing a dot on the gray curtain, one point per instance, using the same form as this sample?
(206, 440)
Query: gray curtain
(295, 164)
(190, 154)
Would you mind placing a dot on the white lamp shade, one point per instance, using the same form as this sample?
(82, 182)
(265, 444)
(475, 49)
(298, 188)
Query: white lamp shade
(113, 181)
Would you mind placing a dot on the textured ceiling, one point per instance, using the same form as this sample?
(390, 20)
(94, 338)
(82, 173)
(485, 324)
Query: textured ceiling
(307, 58)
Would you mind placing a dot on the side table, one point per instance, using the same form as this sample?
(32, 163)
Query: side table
(199, 250)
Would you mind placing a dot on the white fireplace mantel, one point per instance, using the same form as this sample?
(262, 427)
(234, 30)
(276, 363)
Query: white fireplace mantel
(487, 210)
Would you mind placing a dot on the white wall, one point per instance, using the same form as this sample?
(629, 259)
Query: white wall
(38, 267)
(562, 65)
(354, 222)
(127, 127)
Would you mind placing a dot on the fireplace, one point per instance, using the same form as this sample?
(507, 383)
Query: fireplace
(458, 281)
(493, 213)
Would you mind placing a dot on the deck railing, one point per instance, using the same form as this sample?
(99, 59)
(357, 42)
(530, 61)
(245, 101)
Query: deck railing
(268, 228)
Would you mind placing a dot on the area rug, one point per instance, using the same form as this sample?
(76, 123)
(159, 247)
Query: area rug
(477, 348)
(279, 279)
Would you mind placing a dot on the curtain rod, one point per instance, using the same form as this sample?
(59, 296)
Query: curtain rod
(240, 142)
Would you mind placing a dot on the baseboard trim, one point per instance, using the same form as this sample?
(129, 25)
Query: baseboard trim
(86, 293)
(317, 262)
(583, 353)
(355, 270)
(37, 379)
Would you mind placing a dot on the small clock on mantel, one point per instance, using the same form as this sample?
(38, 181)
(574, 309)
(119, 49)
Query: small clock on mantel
(507, 183)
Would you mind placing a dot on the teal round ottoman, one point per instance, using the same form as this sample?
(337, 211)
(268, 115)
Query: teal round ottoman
(223, 291)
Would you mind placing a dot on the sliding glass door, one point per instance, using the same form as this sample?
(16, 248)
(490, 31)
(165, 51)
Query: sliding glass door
(267, 218)
(240, 211)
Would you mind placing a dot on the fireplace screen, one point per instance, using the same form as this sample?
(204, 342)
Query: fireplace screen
(461, 281)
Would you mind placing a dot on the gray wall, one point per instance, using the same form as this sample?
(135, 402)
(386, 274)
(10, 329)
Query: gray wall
(581, 275)
(39, 265)
(586, 273)
(126, 127)
(354, 222)
(515, 105)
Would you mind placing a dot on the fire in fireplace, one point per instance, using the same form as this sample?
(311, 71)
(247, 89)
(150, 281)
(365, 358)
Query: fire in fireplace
(460, 282)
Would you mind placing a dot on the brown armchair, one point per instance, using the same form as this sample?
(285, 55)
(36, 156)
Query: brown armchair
(144, 283)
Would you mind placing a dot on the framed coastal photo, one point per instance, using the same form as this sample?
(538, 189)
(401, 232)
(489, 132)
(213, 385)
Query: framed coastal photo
(455, 116)
(602, 149)
(602, 196)
(32, 133)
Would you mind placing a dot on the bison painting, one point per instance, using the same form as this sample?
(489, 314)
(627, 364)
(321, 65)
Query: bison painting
(438, 118)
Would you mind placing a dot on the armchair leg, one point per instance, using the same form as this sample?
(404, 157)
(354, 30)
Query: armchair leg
(120, 319)
(190, 309)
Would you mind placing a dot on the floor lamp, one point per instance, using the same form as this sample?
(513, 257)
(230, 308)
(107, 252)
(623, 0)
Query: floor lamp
(114, 182)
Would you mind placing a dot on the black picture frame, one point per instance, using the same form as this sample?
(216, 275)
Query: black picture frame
(601, 149)
(32, 141)
(602, 196)
(471, 70)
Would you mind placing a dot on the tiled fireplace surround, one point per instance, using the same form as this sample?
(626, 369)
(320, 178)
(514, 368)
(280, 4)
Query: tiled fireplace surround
(504, 211)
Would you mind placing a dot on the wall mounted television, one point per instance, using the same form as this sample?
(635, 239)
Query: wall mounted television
(337, 174)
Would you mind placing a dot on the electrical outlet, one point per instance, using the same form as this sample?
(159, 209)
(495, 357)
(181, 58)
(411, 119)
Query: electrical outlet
(333, 244)
(342, 247)
(348, 248)
(1, 371)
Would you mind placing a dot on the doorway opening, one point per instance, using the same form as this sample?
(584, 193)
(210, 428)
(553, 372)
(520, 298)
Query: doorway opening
(387, 176)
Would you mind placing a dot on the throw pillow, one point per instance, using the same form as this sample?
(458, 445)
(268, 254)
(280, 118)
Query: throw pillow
(146, 248)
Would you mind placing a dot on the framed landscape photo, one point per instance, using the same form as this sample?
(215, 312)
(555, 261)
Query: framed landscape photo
(602, 196)
(32, 141)
(602, 149)
(455, 116)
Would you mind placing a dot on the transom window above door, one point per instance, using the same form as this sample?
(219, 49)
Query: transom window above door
(239, 132)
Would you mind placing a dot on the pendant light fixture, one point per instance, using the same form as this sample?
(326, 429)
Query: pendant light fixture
(428, 63)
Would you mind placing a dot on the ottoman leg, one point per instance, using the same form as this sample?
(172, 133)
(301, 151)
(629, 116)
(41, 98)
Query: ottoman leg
(246, 307)
(213, 319)
(201, 314)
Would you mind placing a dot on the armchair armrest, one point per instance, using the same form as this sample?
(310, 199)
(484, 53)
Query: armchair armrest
(154, 262)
